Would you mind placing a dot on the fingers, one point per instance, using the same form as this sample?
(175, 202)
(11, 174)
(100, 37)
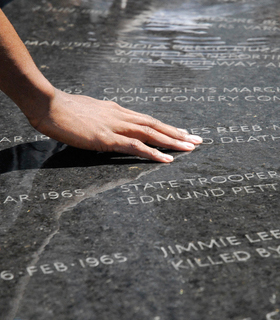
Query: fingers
(140, 129)
(151, 136)
(137, 148)
(148, 135)
(149, 122)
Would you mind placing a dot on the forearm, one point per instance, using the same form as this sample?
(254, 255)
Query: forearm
(20, 79)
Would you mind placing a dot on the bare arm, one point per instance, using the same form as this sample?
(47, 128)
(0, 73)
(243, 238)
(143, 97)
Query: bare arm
(80, 121)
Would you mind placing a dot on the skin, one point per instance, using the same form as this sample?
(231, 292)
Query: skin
(81, 121)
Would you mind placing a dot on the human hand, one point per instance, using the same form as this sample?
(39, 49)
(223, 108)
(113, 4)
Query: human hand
(92, 124)
(80, 121)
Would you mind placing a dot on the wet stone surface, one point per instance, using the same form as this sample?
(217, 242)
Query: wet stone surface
(87, 235)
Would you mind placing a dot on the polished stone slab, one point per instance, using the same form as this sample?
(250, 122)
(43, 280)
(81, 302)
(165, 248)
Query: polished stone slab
(90, 235)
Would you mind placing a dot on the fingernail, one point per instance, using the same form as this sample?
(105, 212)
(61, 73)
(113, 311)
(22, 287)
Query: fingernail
(186, 145)
(184, 130)
(167, 157)
(195, 139)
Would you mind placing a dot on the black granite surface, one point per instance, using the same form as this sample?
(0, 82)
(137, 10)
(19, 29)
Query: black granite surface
(87, 235)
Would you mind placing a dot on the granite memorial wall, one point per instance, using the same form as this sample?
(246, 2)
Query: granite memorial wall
(89, 235)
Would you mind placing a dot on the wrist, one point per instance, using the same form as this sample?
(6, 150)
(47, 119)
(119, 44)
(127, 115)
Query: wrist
(34, 98)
